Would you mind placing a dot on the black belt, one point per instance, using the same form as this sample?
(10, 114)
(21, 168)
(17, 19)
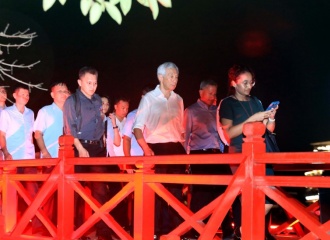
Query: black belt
(92, 142)
(206, 150)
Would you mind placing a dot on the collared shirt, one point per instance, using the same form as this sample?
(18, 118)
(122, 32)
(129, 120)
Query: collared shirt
(49, 121)
(200, 127)
(92, 126)
(1, 155)
(18, 128)
(160, 118)
(113, 150)
(136, 150)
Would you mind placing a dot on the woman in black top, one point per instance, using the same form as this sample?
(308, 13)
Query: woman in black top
(236, 110)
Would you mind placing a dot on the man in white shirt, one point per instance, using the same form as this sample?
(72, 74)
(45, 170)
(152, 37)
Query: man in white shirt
(158, 128)
(115, 125)
(16, 127)
(48, 127)
(3, 98)
(114, 141)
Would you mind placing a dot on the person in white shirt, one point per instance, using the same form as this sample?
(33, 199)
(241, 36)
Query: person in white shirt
(16, 128)
(3, 98)
(158, 128)
(48, 127)
(130, 145)
(115, 125)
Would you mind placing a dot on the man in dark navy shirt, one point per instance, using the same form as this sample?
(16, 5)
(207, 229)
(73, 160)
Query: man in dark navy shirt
(83, 120)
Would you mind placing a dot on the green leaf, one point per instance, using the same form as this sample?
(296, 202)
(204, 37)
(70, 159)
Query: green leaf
(47, 4)
(95, 13)
(85, 5)
(125, 6)
(114, 2)
(113, 12)
(102, 3)
(62, 1)
(166, 3)
(154, 8)
(144, 2)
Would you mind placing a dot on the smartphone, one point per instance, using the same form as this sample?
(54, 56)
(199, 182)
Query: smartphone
(273, 105)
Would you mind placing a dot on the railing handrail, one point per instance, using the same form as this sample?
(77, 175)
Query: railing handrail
(250, 180)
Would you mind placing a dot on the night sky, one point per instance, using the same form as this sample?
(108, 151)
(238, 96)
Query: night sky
(286, 42)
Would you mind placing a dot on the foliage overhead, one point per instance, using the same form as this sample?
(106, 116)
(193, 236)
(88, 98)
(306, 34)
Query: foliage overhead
(95, 8)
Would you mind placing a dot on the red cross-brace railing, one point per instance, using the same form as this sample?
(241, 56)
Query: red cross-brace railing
(249, 181)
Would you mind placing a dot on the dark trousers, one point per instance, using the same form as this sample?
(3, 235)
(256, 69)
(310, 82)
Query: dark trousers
(202, 195)
(100, 190)
(165, 217)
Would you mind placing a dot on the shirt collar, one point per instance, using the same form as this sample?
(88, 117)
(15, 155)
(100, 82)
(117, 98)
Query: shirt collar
(205, 106)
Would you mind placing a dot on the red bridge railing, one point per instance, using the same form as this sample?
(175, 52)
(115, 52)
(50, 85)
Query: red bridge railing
(249, 181)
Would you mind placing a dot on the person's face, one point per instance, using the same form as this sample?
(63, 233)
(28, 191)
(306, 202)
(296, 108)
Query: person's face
(88, 84)
(169, 81)
(121, 109)
(105, 105)
(208, 95)
(60, 93)
(243, 84)
(21, 96)
(3, 94)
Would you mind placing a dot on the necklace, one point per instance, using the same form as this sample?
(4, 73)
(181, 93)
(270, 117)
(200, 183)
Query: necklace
(245, 110)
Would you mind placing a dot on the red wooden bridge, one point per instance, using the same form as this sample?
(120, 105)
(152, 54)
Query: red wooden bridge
(249, 181)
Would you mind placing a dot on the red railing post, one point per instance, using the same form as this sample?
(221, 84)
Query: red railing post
(253, 199)
(9, 200)
(144, 204)
(65, 214)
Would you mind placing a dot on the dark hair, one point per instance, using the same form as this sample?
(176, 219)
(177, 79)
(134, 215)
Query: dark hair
(147, 88)
(107, 97)
(234, 72)
(87, 69)
(207, 82)
(21, 86)
(118, 99)
(54, 84)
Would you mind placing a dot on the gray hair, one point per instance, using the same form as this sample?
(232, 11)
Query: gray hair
(207, 82)
(161, 70)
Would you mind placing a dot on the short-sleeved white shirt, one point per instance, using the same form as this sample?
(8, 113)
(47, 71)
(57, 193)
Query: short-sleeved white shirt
(113, 150)
(49, 121)
(136, 150)
(160, 118)
(18, 128)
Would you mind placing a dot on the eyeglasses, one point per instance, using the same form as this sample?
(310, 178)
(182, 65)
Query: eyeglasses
(246, 83)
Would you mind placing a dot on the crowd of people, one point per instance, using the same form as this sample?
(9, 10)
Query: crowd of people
(159, 126)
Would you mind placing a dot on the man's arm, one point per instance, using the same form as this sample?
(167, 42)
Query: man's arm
(81, 150)
(3, 144)
(116, 135)
(38, 135)
(142, 142)
(69, 115)
(127, 146)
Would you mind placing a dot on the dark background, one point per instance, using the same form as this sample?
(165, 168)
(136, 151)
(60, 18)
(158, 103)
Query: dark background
(286, 42)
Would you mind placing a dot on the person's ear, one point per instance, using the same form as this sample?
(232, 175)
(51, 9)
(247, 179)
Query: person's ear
(233, 83)
(79, 82)
(160, 78)
(52, 94)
